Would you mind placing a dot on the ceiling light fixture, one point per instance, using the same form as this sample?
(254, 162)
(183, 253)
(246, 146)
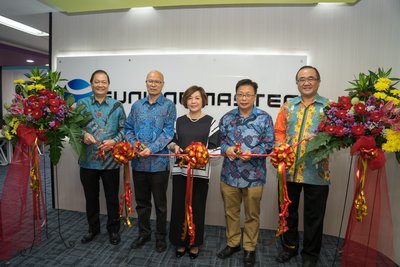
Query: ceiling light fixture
(21, 27)
(30, 61)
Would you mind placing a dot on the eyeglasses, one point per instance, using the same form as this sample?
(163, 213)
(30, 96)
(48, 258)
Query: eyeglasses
(244, 95)
(309, 79)
(154, 81)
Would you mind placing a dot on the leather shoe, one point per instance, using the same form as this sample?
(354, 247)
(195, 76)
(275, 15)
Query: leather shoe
(179, 254)
(285, 256)
(227, 252)
(161, 245)
(193, 255)
(249, 258)
(89, 237)
(115, 238)
(140, 241)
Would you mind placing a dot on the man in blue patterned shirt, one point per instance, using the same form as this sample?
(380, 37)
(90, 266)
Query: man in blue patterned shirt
(102, 132)
(151, 121)
(243, 176)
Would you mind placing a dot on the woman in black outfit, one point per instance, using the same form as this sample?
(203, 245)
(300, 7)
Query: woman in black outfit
(192, 127)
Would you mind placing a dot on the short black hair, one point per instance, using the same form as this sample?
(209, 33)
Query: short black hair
(97, 72)
(309, 67)
(247, 82)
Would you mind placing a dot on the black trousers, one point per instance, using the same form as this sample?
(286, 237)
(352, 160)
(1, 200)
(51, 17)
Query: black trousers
(90, 179)
(145, 185)
(315, 197)
(199, 198)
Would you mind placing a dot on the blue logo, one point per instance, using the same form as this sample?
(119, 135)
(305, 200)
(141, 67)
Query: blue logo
(79, 88)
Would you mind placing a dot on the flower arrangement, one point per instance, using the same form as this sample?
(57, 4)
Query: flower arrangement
(41, 107)
(372, 108)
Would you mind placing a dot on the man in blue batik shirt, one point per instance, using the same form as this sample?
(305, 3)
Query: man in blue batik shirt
(151, 121)
(242, 176)
(102, 132)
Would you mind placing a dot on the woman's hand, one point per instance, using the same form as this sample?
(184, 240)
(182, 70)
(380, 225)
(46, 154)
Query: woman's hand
(89, 139)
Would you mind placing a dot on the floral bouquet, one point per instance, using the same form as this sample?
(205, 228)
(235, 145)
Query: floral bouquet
(40, 112)
(41, 107)
(368, 121)
(372, 108)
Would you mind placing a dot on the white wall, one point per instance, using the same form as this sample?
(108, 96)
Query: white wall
(340, 40)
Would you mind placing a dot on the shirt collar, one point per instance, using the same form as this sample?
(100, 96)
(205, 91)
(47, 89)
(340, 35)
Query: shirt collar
(160, 100)
(106, 101)
(253, 112)
(319, 99)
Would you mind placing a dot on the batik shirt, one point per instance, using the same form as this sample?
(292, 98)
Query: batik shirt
(256, 134)
(295, 122)
(108, 119)
(153, 126)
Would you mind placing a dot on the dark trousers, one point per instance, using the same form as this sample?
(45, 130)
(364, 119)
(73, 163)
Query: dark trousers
(90, 179)
(147, 184)
(199, 198)
(315, 197)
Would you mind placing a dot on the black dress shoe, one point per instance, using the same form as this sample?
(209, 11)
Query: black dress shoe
(140, 241)
(227, 252)
(89, 237)
(161, 245)
(285, 256)
(193, 255)
(115, 238)
(249, 258)
(179, 254)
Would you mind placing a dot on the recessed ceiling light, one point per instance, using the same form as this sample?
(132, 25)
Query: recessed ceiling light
(21, 27)
(30, 61)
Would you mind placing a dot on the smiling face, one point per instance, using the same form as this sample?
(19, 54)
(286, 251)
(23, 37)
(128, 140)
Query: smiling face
(195, 102)
(154, 84)
(245, 97)
(308, 83)
(100, 85)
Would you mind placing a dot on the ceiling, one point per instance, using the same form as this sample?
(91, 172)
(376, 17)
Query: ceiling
(35, 13)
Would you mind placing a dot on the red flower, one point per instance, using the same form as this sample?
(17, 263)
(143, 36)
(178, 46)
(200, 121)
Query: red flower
(345, 105)
(43, 101)
(54, 109)
(35, 105)
(52, 95)
(330, 129)
(376, 131)
(340, 130)
(37, 114)
(54, 102)
(27, 110)
(358, 129)
(376, 116)
(321, 126)
(32, 98)
(360, 108)
(341, 113)
(344, 99)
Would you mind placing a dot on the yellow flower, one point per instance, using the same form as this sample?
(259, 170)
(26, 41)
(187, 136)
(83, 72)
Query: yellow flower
(381, 86)
(395, 91)
(395, 100)
(30, 87)
(7, 135)
(380, 95)
(393, 141)
(19, 81)
(39, 87)
(36, 78)
(385, 80)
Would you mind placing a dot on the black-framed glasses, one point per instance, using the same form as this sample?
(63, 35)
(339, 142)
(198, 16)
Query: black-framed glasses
(308, 79)
(244, 95)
